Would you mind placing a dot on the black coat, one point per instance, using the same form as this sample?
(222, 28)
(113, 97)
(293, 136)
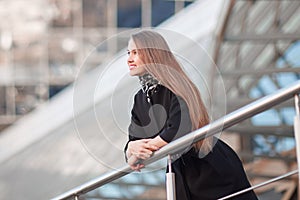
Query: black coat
(216, 175)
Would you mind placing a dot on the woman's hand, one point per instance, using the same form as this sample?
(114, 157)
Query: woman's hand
(139, 150)
(158, 142)
(134, 163)
(142, 149)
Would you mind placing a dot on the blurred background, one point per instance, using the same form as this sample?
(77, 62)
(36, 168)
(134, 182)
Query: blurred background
(44, 46)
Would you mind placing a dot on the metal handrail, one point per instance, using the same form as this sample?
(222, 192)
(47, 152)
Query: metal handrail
(260, 184)
(213, 128)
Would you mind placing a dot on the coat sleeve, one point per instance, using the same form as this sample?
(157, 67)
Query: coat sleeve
(178, 123)
(131, 130)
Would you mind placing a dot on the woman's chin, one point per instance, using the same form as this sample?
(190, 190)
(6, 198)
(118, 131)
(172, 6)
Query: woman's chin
(132, 73)
(136, 72)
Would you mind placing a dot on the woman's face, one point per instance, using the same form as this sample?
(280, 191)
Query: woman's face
(134, 62)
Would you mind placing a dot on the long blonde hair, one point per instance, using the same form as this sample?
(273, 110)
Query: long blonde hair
(162, 64)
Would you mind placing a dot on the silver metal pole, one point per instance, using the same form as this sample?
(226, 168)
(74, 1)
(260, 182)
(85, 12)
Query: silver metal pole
(297, 105)
(260, 185)
(95, 183)
(297, 135)
(170, 181)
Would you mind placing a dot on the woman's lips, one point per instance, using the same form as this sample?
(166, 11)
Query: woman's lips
(131, 67)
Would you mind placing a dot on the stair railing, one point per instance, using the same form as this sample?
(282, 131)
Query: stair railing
(211, 129)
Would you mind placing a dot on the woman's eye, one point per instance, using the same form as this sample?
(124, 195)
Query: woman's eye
(133, 52)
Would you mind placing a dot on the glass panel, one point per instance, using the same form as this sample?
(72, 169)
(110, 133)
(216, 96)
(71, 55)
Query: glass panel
(267, 118)
(63, 16)
(94, 13)
(161, 10)
(28, 67)
(2, 100)
(26, 97)
(129, 13)
(62, 52)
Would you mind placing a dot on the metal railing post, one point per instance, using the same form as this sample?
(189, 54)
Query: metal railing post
(170, 181)
(297, 135)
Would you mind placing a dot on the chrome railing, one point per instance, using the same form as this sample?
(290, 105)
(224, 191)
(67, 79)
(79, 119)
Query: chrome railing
(213, 128)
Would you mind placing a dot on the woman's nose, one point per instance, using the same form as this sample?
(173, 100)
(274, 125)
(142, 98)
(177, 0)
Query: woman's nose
(129, 59)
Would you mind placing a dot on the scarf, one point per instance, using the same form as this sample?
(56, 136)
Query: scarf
(149, 85)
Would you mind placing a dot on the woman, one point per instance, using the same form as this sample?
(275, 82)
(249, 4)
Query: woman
(167, 107)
